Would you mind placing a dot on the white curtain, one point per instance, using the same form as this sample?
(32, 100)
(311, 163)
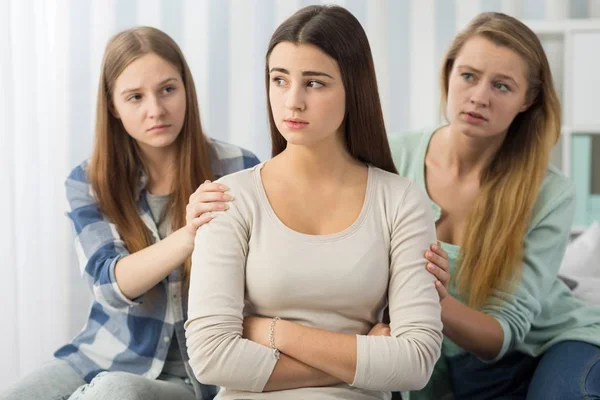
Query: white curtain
(50, 54)
(36, 289)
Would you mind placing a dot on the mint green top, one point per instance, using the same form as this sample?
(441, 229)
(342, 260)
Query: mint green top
(541, 310)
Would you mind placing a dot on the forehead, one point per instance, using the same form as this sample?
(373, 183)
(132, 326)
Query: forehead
(147, 70)
(484, 55)
(302, 57)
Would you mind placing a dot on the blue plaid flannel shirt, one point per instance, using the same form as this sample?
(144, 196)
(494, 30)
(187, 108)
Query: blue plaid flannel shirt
(121, 334)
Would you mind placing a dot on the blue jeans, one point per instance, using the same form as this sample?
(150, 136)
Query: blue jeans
(56, 380)
(567, 370)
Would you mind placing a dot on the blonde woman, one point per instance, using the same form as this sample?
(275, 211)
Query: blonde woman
(512, 328)
(134, 231)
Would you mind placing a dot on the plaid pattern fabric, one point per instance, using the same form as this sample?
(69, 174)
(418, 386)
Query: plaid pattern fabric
(121, 334)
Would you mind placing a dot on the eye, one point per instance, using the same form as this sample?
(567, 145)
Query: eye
(279, 81)
(169, 89)
(502, 87)
(315, 84)
(134, 97)
(467, 76)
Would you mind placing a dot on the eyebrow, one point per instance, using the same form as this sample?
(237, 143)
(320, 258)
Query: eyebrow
(304, 73)
(137, 89)
(502, 76)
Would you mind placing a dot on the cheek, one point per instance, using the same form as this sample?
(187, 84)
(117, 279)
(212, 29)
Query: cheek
(332, 108)
(456, 91)
(181, 105)
(508, 113)
(451, 102)
(131, 126)
(129, 117)
(275, 101)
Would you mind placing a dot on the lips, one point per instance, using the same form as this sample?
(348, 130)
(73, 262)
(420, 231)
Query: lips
(295, 123)
(476, 115)
(158, 127)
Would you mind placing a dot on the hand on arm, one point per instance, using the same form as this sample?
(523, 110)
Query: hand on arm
(507, 317)
(209, 197)
(472, 330)
(439, 267)
(140, 271)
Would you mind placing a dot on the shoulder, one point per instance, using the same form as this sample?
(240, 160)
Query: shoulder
(243, 186)
(78, 188)
(389, 183)
(398, 194)
(229, 158)
(556, 183)
(408, 141)
(556, 197)
(408, 150)
(80, 196)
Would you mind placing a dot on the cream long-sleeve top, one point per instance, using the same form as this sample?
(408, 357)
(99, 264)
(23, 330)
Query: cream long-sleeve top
(247, 262)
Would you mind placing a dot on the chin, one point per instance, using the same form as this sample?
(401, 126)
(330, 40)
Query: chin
(474, 131)
(296, 138)
(162, 142)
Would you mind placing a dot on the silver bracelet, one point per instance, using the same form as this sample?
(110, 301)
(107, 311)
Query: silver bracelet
(272, 337)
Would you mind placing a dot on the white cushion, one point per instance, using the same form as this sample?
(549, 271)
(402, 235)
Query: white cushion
(582, 264)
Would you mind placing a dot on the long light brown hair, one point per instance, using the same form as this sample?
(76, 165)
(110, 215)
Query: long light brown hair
(116, 164)
(492, 251)
(336, 32)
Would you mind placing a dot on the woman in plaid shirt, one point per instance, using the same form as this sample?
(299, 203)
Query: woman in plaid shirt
(135, 230)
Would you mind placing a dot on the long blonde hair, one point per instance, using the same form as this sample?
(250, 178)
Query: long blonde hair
(115, 167)
(492, 251)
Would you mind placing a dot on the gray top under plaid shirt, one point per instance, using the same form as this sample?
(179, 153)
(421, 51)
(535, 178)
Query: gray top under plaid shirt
(121, 334)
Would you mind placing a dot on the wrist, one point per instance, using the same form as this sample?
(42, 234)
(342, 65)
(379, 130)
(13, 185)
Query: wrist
(282, 335)
(271, 339)
(186, 239)
(447, 305)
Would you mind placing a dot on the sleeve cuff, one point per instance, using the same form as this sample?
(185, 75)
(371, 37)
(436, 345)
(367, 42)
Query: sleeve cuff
(507, 338)
(360, 373)
(115, 296)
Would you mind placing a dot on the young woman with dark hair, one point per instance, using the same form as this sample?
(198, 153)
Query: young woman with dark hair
(287, 284)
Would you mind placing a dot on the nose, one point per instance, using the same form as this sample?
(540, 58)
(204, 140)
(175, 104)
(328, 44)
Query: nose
(295, 99)
(155, 107)
(480, 94)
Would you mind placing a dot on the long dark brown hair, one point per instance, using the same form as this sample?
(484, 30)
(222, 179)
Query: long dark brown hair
(336, 32)
(116, 164)
(492, 252)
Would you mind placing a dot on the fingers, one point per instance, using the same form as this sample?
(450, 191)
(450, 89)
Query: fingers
(380, 329)
(439, 250)
(196, 210)
(440, 274)
(208, 186)
(207, 197)
(198, 222)
(441, 289)
(435, 258)
(201, 202)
